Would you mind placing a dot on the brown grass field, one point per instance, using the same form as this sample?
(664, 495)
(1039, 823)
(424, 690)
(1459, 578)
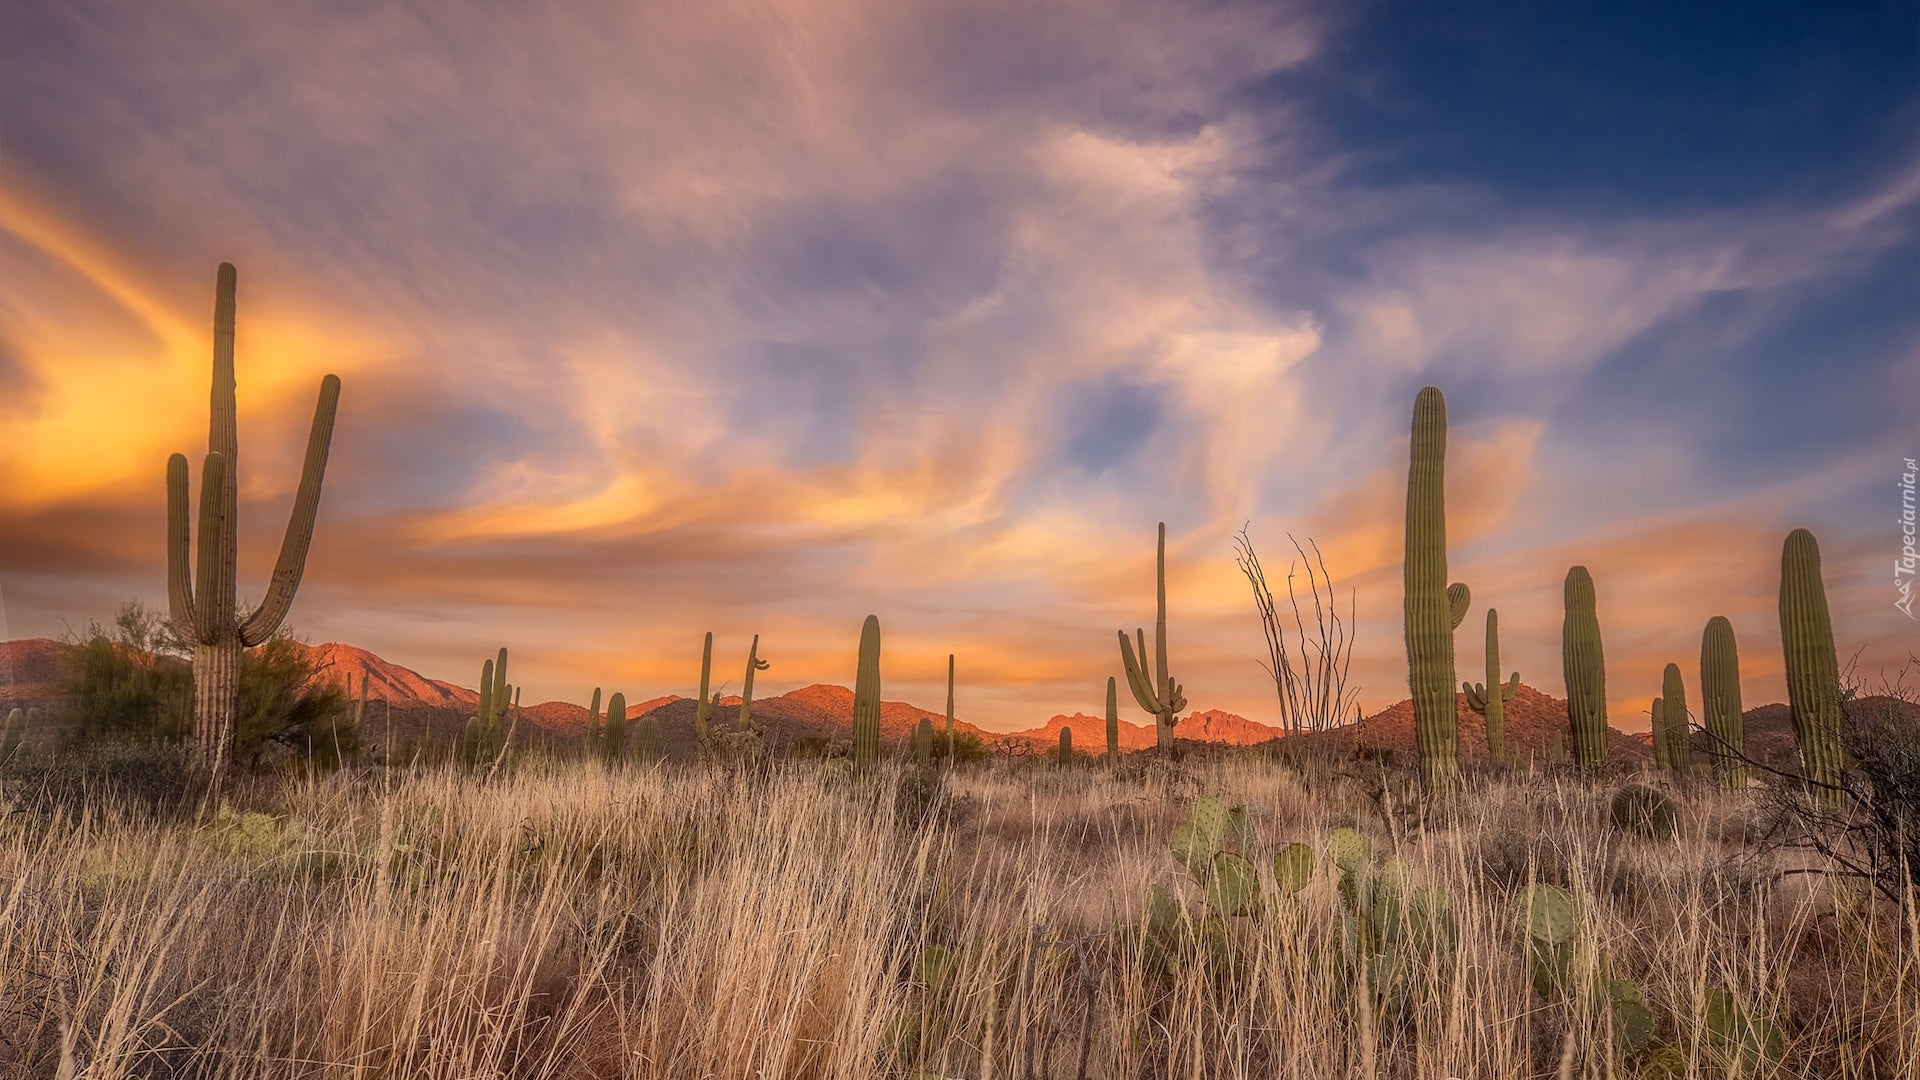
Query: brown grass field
(565, 920)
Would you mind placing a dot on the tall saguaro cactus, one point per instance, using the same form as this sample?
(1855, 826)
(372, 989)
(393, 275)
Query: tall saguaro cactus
(1154, 688)
(1584, 667)
(1433, 607)
(1720, 701)
(206, 607)
(1673, 711)
(1113, 722)
(1489, 700)
(754, 663)
(866, 697)
(950, 747)
(1813, 668)
(703, 712)
(615, 739)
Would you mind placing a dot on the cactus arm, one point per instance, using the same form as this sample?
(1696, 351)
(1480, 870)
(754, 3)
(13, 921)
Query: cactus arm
(703, 712)
(1137, 680)
(1476, 697)
(208, 610)
(1459, 598)
(500, 696)
(754, 663)
(299, 536)
(485, 708)
(1177, 702)
(1511, 688)
(179, 547)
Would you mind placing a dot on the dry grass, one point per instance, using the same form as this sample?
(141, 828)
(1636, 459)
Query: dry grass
(562, 921)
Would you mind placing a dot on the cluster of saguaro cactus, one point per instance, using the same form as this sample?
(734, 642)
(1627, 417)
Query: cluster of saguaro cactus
(1720, 702)
(1585, 669)
(754, 663)
(1113, 721)
(1433, 608)
(202, 599)
(1813, 669)
(487, 729)
(1154, 687)
(1489, 699)
(703, 710)
(866, 697)
(1673, 716)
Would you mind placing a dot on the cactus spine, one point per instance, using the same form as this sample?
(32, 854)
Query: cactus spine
(1156, 693)
(1490, 700)
(1433, 608)
(616, 733)
(1720, 701)
(1813, 669)
(1113, 721)
(1066, 746)
(703, 712)
(866, 697)
(1584, 667)
(202, 599)
(1673, 708)
(754, 663)
(950, 747)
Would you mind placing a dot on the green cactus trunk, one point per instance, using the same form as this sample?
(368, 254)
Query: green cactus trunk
(616, 735)
(593, 722)
(950, 747)
(1154, 688)
(1813, 669)
(1489, 700)
(754, 663)
(866, 697)
(1661, 759)
(1066, 747)
(206, 608)
(923, 743)
(646, 739)
(1432, 607)
(1113, 721)
(1674, 709)
(1720, 702)
(703, 712)
(1584, 666)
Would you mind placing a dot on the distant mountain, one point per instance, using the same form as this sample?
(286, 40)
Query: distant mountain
(1530, 719)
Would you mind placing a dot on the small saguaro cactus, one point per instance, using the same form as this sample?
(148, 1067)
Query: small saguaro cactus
(703, 712)
(1433, 608)
(593, 722)
(16, 733)
(754, 663)
(1661, 758)
(202, 599)
(646, 739)
(615, 737)
(1584, 667)
(486, 731)
(866, 697)
(1813, 669)
(923, 743)
(950, 747)
(1065, 756)
(1489, 700)
(1720, 702)
(1113, 722)
(1154, 687)
(1673, 709)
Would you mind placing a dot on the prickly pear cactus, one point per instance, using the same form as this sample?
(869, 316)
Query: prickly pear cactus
(1551, 918)
(1293, 868)
(1349, 849)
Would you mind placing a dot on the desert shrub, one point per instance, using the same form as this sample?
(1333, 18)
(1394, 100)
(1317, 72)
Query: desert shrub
(286, 713)
(1642, 811)
(1882, 742)
(146, 778)
(131, 681)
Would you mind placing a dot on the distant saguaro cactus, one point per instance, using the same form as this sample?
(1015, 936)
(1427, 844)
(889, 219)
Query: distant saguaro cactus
(950, 747)
(615, 738)
(1066, 746)
(646, 739)
(1720, 701)
(866, 697)
(16, 733)
(1113, 722)
(754, 663)
(1673, 709)
(486, 729)
(1490, 700)
(1584, 667)
(1433, 608)
(206, 608)
(593, 722)
(703, 712)
(1813, 668)
(1658, 711)
(1154, 687)
(923, 743)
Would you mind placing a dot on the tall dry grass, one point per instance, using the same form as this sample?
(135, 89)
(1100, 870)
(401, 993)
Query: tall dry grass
(564, 921)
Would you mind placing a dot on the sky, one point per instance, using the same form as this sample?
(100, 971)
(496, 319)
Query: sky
(656, 319)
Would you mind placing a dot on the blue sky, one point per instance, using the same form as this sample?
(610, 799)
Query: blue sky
(759, 317)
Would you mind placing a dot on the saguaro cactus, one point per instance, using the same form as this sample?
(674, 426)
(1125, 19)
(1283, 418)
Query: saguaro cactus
(1433, 607)
(1661, 758)
(646, 739)
(1673, 709)
(1154, 688)
(1113, 722)
(615, 747)
(1584, 667)
(1720, 701)
(1066, 746)
(206, 608)
(486, 731)
(1813, 669)
(703, 712)
(950, 747)
(1490, 700)
(866, 697)
(754, 663)
(923, 743)
(593, 722)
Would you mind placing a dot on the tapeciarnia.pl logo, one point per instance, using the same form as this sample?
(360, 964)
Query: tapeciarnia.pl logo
(1903, 567)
